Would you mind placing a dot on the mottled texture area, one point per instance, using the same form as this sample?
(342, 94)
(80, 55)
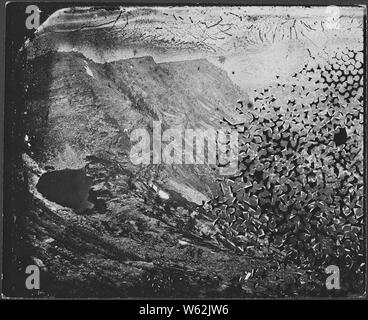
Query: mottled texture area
(284, 78)
(300, 186)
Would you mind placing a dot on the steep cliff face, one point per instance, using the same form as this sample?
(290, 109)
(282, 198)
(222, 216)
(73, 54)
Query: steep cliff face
(79, 109)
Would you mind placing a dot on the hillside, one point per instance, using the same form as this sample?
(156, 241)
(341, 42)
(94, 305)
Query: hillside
(144, 223)
(90, 109)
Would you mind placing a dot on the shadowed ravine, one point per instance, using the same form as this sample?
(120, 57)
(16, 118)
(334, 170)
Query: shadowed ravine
(67, 187)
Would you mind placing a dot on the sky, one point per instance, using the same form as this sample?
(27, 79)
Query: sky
(247, 42)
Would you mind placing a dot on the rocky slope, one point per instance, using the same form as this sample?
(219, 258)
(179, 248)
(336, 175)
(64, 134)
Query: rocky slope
(78, 108)
(80, 114)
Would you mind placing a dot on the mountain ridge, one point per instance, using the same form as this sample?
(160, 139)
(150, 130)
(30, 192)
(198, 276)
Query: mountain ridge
(82, 108)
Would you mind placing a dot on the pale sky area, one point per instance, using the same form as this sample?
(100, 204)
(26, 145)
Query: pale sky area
(251, 44)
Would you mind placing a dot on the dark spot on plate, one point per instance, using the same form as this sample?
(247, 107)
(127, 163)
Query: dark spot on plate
(340, 137)
(67, 187)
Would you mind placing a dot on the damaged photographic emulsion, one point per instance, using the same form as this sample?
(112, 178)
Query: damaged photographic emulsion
(184, 151)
